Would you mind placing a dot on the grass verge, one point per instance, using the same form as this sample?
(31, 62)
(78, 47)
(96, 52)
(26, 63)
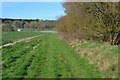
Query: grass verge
(103, 55)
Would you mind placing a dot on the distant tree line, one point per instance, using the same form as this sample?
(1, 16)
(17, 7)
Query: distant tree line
(14, 24)
(98, 21)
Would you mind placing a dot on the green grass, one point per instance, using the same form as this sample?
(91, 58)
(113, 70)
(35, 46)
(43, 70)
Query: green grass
(38, 29)
(45, 57)
(49, 29)
(103, 55)
(9, 37)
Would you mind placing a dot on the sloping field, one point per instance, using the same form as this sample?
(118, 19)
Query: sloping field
(9, 37)
(45, 57)
(103, 55)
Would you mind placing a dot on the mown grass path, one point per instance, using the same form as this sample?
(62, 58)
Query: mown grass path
(45, 57)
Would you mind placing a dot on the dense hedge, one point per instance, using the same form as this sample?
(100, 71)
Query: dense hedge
(94, 20)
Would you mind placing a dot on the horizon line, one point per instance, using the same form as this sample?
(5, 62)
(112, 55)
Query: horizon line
(28, 18)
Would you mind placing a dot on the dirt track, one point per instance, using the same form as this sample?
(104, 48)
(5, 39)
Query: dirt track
(24, 39)
(49, 31)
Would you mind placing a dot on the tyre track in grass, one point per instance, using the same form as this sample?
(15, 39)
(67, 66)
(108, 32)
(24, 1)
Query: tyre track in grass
(27, 60)
(11, 58)
(60, 70)
(8, 51)
(36, 68)
(52, 58)
(21, 57)
(58, 60)
(66, 61)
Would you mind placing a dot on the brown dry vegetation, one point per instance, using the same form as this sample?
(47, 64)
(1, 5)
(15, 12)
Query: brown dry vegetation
(98, 21)
(86, 23)
(104, 56)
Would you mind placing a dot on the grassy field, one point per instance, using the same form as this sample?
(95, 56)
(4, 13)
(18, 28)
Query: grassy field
(32, 29)
(45, 57)
(103, 55)
(8, 37)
